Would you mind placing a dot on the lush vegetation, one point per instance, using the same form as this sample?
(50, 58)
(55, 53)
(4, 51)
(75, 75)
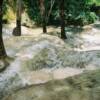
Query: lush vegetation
(77, 12)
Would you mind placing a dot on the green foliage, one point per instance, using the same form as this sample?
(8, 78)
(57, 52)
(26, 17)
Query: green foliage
(32, 8)
(9, 9)
(10, 15)
(86, 18)
(97, 2)
(77, 12)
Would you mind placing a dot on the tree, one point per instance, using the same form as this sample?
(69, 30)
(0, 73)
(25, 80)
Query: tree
(52, 2)
(17, 30)
(62, 17)
(43, 15)
(2, 49)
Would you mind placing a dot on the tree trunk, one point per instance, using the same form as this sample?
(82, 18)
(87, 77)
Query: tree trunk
(62, 17)
(18, 18)
(2, 49)
(43, 15)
